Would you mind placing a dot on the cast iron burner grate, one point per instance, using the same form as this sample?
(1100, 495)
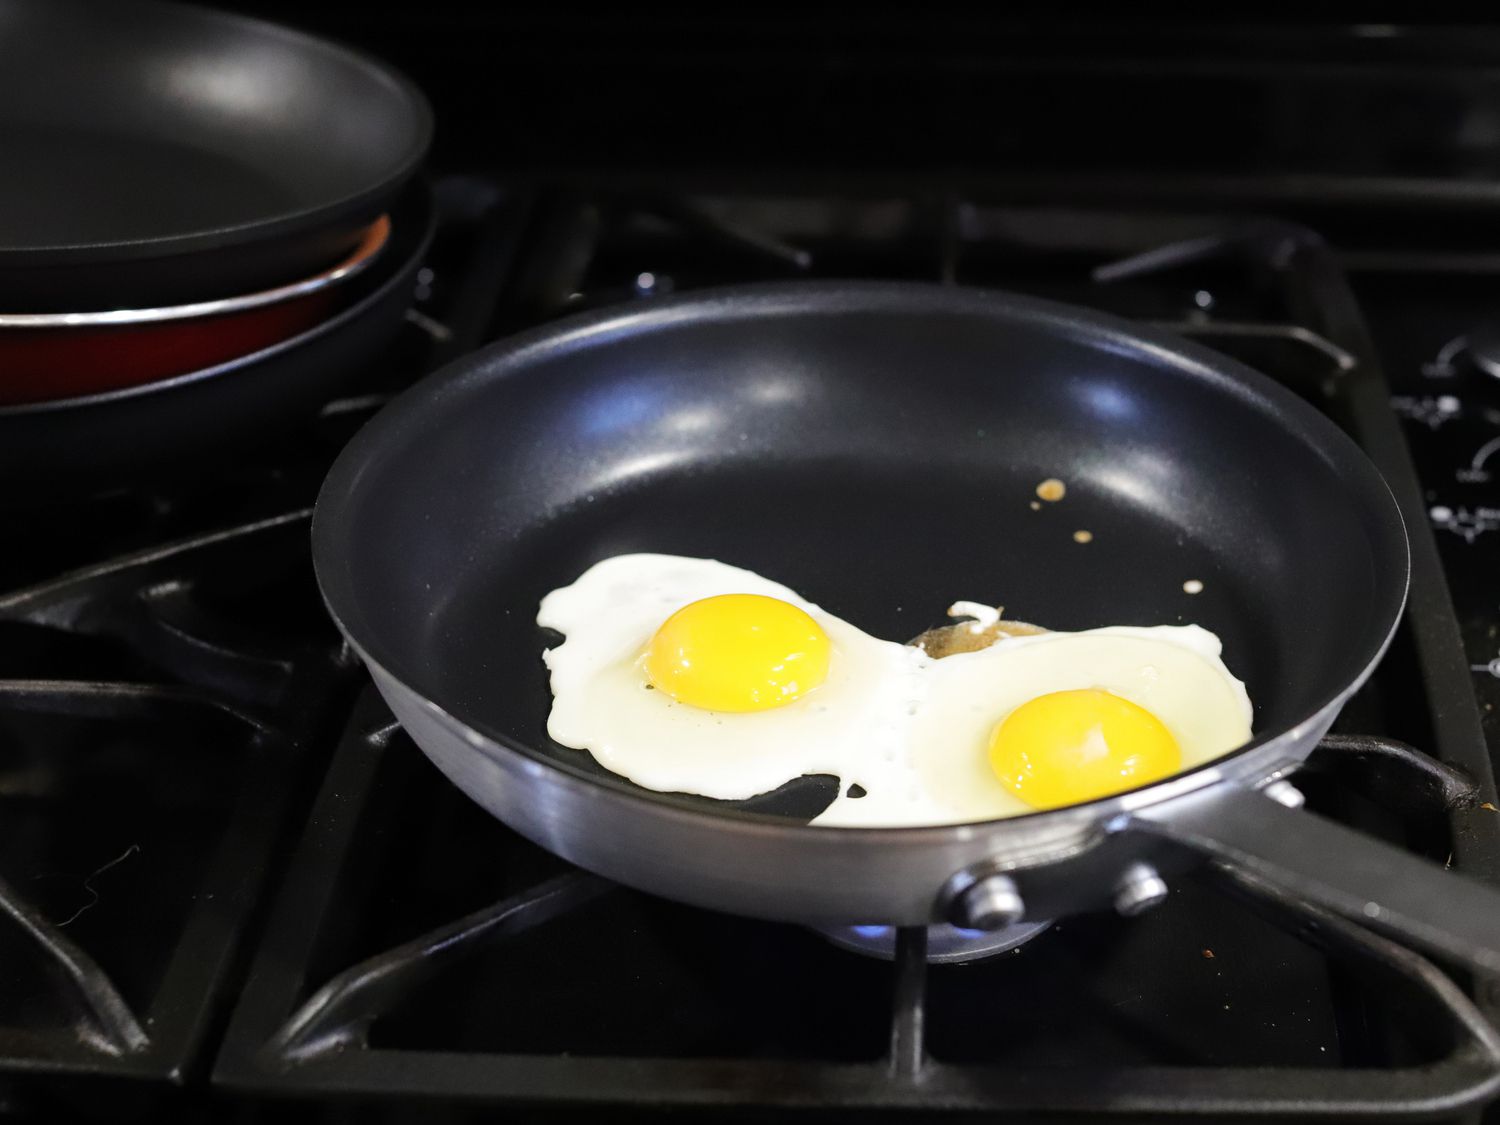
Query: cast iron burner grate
(162, 713)
(420, 950)
(370, 1028)
(141, 797)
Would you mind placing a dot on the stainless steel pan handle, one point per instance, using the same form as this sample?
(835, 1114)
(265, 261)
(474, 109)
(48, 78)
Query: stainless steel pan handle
(1338, 868)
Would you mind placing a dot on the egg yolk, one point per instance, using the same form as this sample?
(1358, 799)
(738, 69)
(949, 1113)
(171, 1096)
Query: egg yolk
(1072, 746)
(738, 652)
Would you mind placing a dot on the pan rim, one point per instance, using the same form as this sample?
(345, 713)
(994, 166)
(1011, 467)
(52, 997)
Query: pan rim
(397, 267)
(372, 242)
(399, 168)
(509, 358)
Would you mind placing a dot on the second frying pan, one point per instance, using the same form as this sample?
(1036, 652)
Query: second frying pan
(875, 448)
(190, 422)
(156, 154)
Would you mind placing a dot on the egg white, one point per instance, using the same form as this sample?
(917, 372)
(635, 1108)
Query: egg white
(601, 703)
(1174, 672)
(911, 731)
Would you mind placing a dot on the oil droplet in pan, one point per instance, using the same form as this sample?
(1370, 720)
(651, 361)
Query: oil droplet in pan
(1052, 489)
(1083, 536)
(1192, 586)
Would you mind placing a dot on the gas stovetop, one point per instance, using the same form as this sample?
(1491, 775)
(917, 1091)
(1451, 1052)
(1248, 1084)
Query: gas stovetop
(230, 880)
(1441, 342)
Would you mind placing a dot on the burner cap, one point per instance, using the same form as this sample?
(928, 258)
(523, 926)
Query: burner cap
(946, 945)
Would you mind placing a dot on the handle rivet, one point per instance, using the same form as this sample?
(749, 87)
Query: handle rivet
(1285, 793)
(1138, 889)
(991, 903)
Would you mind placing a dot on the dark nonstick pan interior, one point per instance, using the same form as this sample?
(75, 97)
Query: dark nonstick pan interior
(162, 153)
(877, 448)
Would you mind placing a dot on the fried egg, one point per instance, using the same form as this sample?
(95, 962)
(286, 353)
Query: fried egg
(1046, 721)
(605, 700)
(691, 676)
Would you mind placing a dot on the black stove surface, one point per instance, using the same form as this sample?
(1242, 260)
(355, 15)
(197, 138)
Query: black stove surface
(1448, 396)
(237, 890)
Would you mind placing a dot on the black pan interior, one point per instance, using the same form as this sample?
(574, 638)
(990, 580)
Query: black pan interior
(878, 449)
(133, 131)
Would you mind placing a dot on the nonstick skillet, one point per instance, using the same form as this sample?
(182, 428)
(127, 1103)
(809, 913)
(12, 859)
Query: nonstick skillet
(187, 423)
(160, 154)
(876, 447)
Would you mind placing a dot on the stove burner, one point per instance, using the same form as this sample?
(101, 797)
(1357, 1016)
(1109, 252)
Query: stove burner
(946, 945)
(182, 697)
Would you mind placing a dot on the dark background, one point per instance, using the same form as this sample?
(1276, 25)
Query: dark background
(918, 92)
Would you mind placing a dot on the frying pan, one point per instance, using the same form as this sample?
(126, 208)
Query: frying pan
(66, 355)
(876, 448)
(75, 444)
(156, 154)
